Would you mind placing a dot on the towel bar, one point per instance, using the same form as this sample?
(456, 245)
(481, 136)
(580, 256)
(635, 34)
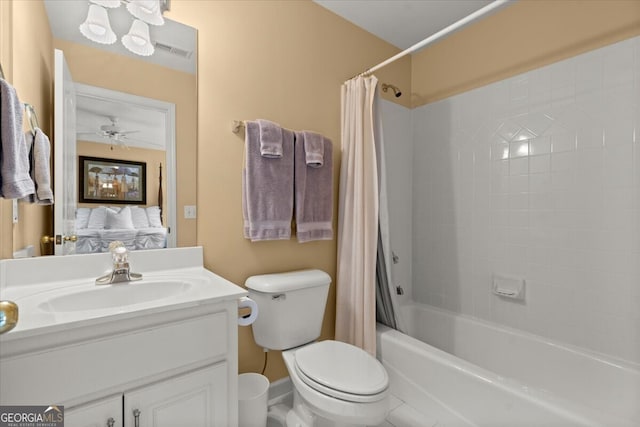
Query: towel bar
(236, 125)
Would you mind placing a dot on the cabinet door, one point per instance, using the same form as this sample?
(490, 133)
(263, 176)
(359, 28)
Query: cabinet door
(102, 413)
(197, 399)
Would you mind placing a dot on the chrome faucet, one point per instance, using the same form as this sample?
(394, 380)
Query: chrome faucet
(121, 272)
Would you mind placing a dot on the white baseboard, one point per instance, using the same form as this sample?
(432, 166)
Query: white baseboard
(281, 391)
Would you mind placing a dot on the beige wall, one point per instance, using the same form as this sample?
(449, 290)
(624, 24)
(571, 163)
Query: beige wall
(152, 158)
(523, 36)
(283, 61)
(118, 72)
(27, 60)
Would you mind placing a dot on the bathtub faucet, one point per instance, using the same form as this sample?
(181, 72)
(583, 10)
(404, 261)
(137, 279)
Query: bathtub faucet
(121, 271)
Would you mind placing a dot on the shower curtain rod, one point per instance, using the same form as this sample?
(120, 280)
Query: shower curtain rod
(451, 28)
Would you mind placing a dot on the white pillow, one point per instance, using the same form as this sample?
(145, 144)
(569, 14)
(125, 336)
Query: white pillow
(98, 218)
(153, 212)
(139, 217)
(119, 220)
(82, 217)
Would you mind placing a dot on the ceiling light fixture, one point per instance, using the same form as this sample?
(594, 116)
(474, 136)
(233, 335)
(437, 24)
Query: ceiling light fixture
(107, 3)
(137, 39)
(98, 29)
(146, 10)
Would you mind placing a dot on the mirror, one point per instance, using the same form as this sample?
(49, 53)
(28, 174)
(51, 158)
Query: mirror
(168, 77)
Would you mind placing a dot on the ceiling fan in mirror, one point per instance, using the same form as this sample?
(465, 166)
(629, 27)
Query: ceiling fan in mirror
(112, 132)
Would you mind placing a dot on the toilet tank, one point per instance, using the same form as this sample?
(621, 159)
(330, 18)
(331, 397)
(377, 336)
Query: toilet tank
(290, 307)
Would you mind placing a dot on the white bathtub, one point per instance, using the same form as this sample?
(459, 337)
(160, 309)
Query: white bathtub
(493, 376)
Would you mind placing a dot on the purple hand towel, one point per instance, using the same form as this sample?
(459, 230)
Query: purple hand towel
(270, 139)
(313, 193)
(15, 182)
(313, 149)
(267, 188)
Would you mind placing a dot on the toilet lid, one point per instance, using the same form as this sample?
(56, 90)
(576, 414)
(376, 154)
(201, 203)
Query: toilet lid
(341, 367)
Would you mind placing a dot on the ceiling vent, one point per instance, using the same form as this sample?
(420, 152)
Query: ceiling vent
(172, 50)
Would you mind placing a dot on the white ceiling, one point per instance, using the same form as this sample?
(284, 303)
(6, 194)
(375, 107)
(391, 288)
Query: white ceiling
(403, 23)
(149, 125)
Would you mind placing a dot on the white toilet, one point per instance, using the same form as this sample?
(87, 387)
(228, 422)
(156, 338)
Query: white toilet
(335, 384)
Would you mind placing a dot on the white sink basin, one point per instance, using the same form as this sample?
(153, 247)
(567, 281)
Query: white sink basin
(113, 296)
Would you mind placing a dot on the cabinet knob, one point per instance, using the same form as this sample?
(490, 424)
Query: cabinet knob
(111, 422)
(136, 417)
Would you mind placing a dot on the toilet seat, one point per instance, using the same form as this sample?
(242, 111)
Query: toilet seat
(342, 371)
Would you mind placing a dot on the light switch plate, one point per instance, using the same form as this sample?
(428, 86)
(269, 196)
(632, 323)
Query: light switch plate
(189, 212)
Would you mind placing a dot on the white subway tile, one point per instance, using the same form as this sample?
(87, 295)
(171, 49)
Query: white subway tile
(519, 166)
(541, 201)
(563, 141)
(618, 131)
(562, 181)
(518, 184)
(518, 201)
(541, 219)
(539, 182)
(540, 145)
(563, 161)
(618, 165)
(519, 148)
(618, 65)
(540, 164)
(589, 72)
(540, 175)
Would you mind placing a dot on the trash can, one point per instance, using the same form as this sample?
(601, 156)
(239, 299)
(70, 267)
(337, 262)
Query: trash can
(253, 391)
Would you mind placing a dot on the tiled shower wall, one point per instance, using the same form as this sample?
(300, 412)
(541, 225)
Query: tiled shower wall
(536, 176)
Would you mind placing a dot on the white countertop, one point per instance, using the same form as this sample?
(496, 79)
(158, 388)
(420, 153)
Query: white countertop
(23, 282)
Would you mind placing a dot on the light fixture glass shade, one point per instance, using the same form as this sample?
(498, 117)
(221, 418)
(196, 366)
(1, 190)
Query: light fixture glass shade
(107, 3)
(97, 27)
(146, 10)
(137, 39)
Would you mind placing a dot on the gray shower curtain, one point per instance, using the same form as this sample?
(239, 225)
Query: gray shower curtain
(386, 303)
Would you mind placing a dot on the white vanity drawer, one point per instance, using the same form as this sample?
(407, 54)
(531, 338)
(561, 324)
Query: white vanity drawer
(72, 372)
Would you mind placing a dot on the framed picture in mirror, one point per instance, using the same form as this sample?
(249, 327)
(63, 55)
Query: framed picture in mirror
(112, 181)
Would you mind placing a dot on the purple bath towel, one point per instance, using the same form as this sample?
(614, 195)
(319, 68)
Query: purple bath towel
(314, 193)
(267, 188)
(15, 181)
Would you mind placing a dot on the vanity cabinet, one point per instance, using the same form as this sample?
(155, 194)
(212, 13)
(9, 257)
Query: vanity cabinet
(176, 368)
(104, 352)
(195, 399)
(102, 413)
